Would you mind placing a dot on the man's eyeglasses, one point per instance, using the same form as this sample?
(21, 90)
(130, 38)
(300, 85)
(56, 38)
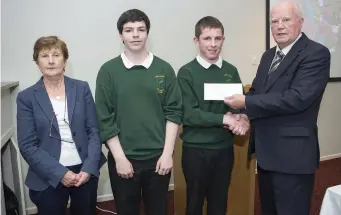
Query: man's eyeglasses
(55, 117)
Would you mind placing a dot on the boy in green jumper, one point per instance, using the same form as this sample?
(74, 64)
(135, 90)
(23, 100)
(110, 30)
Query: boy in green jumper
(207, 157)
(139, 106)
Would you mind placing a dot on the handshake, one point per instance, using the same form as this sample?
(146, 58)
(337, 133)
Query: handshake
(237, 123)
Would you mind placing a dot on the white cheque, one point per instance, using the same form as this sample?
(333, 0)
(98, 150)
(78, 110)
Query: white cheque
(220, 91)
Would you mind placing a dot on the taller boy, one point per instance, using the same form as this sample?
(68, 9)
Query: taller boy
(139, 107)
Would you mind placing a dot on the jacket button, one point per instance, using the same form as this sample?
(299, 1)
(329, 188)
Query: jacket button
(74, 133)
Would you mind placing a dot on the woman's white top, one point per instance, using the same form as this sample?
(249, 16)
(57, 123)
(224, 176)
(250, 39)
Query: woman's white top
(68, 154)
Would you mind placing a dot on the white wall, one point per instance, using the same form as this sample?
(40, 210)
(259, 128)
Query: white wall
(89, 29)
(329, 122)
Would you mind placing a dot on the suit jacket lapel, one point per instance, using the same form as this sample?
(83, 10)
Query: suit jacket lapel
(71, 91)
(44, 102)
(265, 67)
(286, 62)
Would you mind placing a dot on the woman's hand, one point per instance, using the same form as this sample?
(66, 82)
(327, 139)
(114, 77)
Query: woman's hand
(70, 179)
(82, 178)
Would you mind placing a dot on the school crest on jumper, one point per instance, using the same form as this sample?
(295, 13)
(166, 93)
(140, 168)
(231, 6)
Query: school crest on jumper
(227, 77)
(160, 83)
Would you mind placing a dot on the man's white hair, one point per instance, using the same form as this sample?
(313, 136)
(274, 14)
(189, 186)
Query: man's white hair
(297, 8)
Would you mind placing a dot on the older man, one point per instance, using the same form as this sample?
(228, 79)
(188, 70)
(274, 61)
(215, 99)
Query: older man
(283, 106)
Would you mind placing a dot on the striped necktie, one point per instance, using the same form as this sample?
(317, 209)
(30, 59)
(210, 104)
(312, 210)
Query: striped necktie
(275, 63)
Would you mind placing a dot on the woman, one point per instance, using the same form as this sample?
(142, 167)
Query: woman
(58, 135)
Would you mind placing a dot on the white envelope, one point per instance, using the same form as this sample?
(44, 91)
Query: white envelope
(220, 91)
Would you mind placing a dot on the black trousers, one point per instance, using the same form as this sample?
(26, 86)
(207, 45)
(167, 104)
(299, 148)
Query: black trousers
(283, 194)
(207, 174)
(54, 201)
(146, 183)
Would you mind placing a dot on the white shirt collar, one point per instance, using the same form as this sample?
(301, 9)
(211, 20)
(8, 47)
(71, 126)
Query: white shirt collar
(287, 49)
(146, 63)
(207, 64)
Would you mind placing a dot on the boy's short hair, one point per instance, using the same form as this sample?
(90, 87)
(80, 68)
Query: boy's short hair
(132, 15)
(207, 22)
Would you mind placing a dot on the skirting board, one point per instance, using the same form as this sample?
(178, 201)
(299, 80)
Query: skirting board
(101, 198)
(329, 157)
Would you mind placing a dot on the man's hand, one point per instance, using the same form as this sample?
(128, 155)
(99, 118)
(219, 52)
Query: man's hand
(82, 177)
(236, 101)
(70, 179)
(124, 168)
(242, 125)
(237, 123)
(239, 128)
(164, 164)
(243, 118)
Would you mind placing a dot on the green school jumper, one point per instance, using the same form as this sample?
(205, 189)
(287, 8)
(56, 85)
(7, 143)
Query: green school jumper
(203, 120)
(135, 104)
